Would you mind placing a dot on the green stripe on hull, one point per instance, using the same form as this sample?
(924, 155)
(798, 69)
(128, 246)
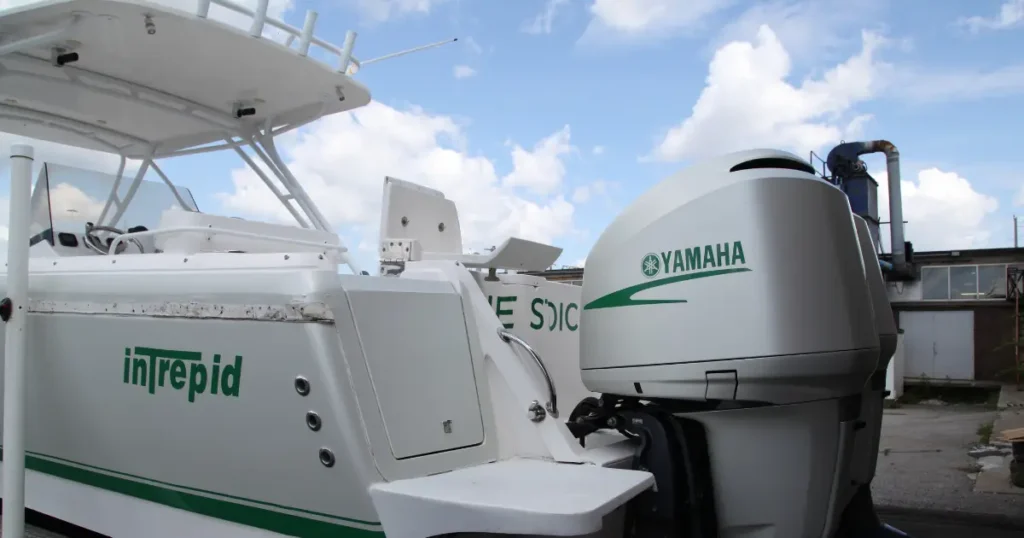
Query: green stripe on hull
(253, 516)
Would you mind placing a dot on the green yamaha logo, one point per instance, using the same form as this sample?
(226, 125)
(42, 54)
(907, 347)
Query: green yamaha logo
(651, 265)
(699, 258)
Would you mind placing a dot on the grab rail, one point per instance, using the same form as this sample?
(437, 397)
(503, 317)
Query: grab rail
(348, 64)
(552, 405)
(220, 231)
(306, 37)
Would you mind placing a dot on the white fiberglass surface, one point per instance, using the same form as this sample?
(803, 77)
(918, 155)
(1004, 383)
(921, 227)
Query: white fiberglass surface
(75, 196)
(135, 92)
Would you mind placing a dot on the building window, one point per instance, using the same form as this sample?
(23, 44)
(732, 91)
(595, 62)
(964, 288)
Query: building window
(963, 283)
(935, 283)
(992, 281)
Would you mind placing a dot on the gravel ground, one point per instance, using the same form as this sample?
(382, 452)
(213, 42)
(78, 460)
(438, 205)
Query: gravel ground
(923, 462)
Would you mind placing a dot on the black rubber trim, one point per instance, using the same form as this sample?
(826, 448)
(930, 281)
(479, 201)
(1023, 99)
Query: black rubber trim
(773, 162)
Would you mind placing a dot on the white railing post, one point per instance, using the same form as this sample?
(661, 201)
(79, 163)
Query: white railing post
(346, 51)
(203, 9)
(14, 311)
(259, 18)
(307, 33)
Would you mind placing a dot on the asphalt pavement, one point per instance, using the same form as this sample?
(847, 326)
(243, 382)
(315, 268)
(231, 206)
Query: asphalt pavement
(925, 483)
(923, 463)
(920, 523)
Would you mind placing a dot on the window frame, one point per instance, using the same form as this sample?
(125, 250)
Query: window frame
(949, 281)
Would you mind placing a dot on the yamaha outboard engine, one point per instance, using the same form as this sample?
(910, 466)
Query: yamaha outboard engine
(730, 328)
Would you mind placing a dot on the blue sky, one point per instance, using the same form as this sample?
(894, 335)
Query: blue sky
(548, 117)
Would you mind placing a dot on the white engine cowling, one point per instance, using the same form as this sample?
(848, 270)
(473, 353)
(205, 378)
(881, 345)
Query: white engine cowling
(737, 279)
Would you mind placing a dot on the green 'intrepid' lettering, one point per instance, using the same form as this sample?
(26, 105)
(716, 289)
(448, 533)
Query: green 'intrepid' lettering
(150, 368)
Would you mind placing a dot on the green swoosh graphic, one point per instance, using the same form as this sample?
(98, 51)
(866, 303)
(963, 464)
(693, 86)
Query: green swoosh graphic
(624, 297)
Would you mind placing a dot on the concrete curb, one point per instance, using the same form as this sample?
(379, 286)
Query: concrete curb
(990, 521)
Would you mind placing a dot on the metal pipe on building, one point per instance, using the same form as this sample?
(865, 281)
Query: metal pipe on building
(845, 158)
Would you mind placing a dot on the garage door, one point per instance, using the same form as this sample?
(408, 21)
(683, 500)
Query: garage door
(939, 344)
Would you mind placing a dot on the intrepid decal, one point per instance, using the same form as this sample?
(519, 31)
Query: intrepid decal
(150, 368)
(677, 265)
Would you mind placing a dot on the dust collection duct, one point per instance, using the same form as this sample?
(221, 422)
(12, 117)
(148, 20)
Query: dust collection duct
(850, 173)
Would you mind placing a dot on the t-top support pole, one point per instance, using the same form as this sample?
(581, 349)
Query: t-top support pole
(14, 313)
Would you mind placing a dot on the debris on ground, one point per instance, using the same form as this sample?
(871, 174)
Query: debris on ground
(923, 462)
(932, 401)
(1004, 472)
(995, 449)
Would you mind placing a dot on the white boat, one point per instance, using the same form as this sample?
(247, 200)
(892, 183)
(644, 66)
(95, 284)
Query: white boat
(210, 376)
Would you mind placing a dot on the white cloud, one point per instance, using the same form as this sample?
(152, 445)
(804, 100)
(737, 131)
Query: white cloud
(748, 102)
(342, 161)
(584, 193)
(383, 10)
(463, 71)
(598, 150)
(541, 24)
(648, 19)
(809, 30)
(69, 203)
(473, 46)
(67, 155)
(918, 86)
(943, 211)
(581, 195)
(1011, 14)
(540, 170)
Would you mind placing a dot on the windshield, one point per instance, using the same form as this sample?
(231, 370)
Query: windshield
(76, 196)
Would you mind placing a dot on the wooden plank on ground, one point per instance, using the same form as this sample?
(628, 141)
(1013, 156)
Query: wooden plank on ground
(1016, 434)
